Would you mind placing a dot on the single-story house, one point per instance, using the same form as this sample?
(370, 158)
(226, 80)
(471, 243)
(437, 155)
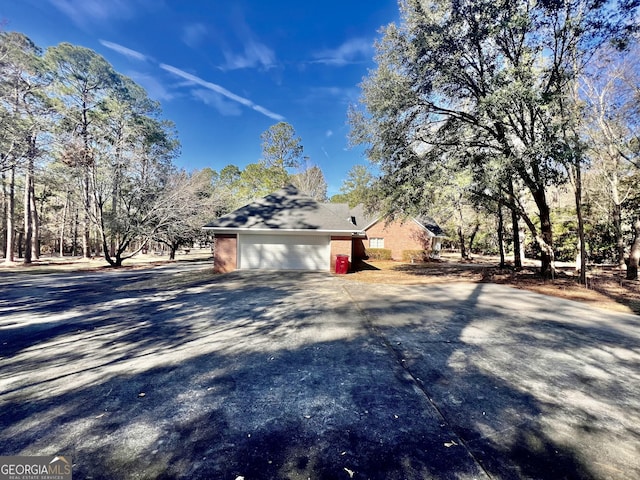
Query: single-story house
(398, 236)
(288, 230)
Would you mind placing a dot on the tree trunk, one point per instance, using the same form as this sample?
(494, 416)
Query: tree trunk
(63, 223)
(86, 221)
(11, 207)
(545, 239)
(517, 248)
(115, 194)
(473, 237)
(108, 255)
(463, 247)
(35, 221)
(634, 256)
(617, 227)
(29, 201)
(75, 233)
(28, 224)
(5, 201)
(501, 235)
(30, 186)
(20, 240)
(577, 190)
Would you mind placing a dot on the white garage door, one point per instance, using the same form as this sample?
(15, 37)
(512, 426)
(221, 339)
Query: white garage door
(284, 252)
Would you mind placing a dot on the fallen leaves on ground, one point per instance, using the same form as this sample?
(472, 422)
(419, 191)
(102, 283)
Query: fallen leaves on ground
(606, 286)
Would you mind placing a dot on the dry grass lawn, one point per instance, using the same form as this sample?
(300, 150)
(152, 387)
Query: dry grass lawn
(49, 264)
(606, 287)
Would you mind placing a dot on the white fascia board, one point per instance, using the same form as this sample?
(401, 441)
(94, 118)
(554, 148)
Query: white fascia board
(431, 234)
(280, 231)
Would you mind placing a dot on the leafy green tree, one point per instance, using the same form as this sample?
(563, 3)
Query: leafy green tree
(128, 119)
(260, 179)
(281, 148)
(131, 173)
(227, 176)
(82, 82)
(466, 81)
(115, 172)
(226, 183)
(281, 152)
(23, 114)
(358, 187)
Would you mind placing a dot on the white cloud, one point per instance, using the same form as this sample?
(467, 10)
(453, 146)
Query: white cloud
(203, 83)
(217, 101)
(329, 133)
(221, 90)
(255, 54)
(82, 12)
(152, 85)
(193, 34)
(127, 52)
(351, 51)
(268, 113)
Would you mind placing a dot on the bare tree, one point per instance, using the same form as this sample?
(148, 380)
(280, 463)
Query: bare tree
(310, 181)
(612, 119)
(188, 202)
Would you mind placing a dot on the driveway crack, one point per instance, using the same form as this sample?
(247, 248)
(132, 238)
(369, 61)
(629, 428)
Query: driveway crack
(407, 375)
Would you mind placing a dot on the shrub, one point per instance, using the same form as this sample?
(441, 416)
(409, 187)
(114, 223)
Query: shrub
(378, 254)
(415, 255)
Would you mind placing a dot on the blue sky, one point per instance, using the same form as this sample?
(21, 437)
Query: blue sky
(226, 70)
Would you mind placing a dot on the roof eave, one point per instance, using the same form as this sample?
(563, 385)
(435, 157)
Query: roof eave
(277, 231)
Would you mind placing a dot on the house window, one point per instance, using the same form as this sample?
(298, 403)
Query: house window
(376, 242)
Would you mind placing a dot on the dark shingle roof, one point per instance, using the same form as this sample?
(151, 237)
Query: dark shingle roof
(285, 209)
(357, 215)
(431, 225)
(289, 210)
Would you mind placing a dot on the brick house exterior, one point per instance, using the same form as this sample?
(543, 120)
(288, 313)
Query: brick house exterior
(287, 230)
(341, 246)
(225, 253)
(399, 236)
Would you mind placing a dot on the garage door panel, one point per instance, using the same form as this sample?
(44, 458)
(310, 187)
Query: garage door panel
(284, 252)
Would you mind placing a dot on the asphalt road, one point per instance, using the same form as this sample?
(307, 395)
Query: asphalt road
(175, 372)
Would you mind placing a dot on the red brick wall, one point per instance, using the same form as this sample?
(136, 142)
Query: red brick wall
(399, 236)
(340, 246)
(225, 253)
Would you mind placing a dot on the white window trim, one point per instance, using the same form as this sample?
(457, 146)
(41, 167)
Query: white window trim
(376, 242)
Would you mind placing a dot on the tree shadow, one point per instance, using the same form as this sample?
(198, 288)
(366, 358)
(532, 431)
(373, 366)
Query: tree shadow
(288, 376)
(285, 209)
(512, 385)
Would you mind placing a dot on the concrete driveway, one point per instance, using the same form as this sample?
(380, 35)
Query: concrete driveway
(174, 372)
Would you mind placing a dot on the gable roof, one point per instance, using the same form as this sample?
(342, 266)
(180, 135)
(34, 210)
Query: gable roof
(285, 210)
(364, 220)
(430, 225)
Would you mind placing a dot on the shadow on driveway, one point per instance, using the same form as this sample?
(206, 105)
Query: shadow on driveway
(535, 387)
(185, 374)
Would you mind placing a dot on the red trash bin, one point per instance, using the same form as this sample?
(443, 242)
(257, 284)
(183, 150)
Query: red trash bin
(342, 264)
